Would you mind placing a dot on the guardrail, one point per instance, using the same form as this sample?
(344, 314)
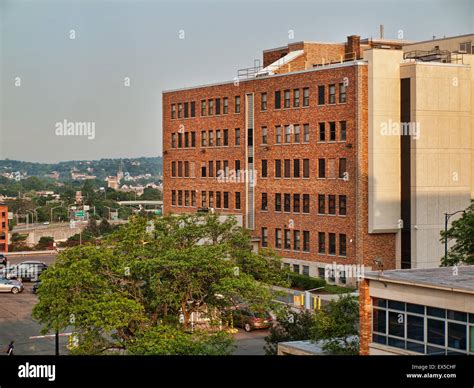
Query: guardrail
(32, 253)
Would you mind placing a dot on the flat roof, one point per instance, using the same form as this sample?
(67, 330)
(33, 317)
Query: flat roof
(440, 39)
(439, 277)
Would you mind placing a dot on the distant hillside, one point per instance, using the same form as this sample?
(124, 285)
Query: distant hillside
(100, 168)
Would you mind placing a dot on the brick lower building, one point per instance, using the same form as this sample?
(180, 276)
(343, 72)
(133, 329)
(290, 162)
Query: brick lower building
(297, 149)
(3, 228)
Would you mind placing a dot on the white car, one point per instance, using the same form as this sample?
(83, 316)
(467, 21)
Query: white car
(10, 285)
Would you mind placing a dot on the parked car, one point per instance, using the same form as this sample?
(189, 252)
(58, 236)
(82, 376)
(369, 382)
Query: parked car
(3, 260)
(35, 286)
(26, 270)
(251, 320)
(10, 285)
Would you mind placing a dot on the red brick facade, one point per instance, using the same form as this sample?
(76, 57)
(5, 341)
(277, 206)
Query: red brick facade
(3, 228)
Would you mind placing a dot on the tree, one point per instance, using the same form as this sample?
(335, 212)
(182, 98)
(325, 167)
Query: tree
(462, 230)
(45, 242)
(138, 289)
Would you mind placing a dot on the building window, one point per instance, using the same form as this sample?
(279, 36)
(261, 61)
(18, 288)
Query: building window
(296, 168)
(287, 168)
(322, 132)
(193, 198)
(321, 243)
(306, 270)
(237, 104)
(218, 199)
(278, 134)
(296, 98)
(218, 106)
(287, 239)
(332, 131)
(218, 168)
(305, 168)
(342, 131)
(264, 168)
(211, 199)
(237, 168)
(277, 168)
(321, 273)
(203, 170)
(237, 200)
(264, 135)
(173, 111)
(186, 110)
(297, 133)
(287, 99)
(173, 197)
(321, 168)
(342, 167)
(210, 107)
(277, 238)
(321, 95)
(296, 240)
(180, 198)
(332, 204)
(342, 205)
(203, 139)
(287, 203)
(211, 169)
(296, 268)
(332, 94)
(306, 241)
(306, 133)
(264, 202)
(264, 237)
(173, 140)
(296, 203)
(203, 199)
(180, 169)
(342, 245)
(186, 198)
(264, 101)
(203, 107)
(186, 169)
(218, 138)
(287, 134)
(277, 99)
(180, 140)
(186, 139)
(180, 110)
(306, 97)
(226, 137)
(226, 199)
(211, 138)
(321, 204)
(332, 243)
(193, 139)
(237, 136)
(225, 105)
(342, 93)
(278, 202)
(306, 203)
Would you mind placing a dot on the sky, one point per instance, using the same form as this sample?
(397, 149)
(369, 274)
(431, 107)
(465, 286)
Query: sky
(106, 63)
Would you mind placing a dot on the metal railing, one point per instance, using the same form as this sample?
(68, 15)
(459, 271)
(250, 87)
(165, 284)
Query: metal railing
(442, 56)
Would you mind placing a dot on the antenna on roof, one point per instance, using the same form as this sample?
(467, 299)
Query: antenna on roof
(381, 31)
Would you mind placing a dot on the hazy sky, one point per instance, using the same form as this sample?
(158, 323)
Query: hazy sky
(82, 79)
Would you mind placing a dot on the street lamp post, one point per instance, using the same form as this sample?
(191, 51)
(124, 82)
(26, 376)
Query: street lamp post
(447, 216)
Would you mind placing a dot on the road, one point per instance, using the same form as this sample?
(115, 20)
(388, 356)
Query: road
(250, 344)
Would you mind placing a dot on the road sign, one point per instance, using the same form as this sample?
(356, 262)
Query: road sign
(80, 213)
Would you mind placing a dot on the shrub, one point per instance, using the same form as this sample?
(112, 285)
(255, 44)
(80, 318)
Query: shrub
(303, 282)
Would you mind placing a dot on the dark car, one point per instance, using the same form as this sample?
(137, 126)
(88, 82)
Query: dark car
(251, 320)
(3, 260)
(26, 270)
(35, 286)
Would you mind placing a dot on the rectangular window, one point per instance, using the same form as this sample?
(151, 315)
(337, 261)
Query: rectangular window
(218, 199)
(203, 139)
(237, 136)
(211, 169)
(332, 204)
(237, 104)
(203, 199)
(342, 93)
(277, 238)
(287, 204)
(237, 200)
(203, 170)
(436, 332)
(180, 140)
(296, 203)
(173, 197)
(287, 134)
(287, 168)
(173, 111)
(321, 95)
(218, 138)
(210, 107)
(321, 243)
(277, 99)
(226, 137)
(186, 139)
(264, 135)
(321, 204)
(225, 105)
(342, 245)
(278, 134)
(287, 99)
(321, 168)
(296, 240)
(342, 131)
(264, 201)
(263, 105)
(342, 167)
(306, 270)
(296, 168)
(186, 198)
(296, 98)
(396, 326)
(416, 328)
(322, 131)
(342, 205)
(186, 110)
(332, 131)
(306, 133)
(306, 241)
(332, 94)
(306, 203)
(218, 168)
(306, 97)
(186, 169)
(332, 243)
(211, 199)
(237, 168)
(278, 168)
(173, 140)
(203, 107)
(296, 268)
(218, 106)
(193, 139)
(287, 239)
(180, 198)
(264, 237)
(226, 199)
(211, 138)
(264, 168)
(305, 168)
(180, 110)
(180, 169)
(193, 198)
(278, 202)
(297, 133)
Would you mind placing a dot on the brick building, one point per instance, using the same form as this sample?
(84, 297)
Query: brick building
(295, 148)
(3, 228)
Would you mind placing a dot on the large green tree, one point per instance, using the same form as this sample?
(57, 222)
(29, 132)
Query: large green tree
(138, 290)
(462, 231)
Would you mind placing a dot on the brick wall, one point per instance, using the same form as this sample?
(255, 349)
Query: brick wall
(3, 228)
(365, 309)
